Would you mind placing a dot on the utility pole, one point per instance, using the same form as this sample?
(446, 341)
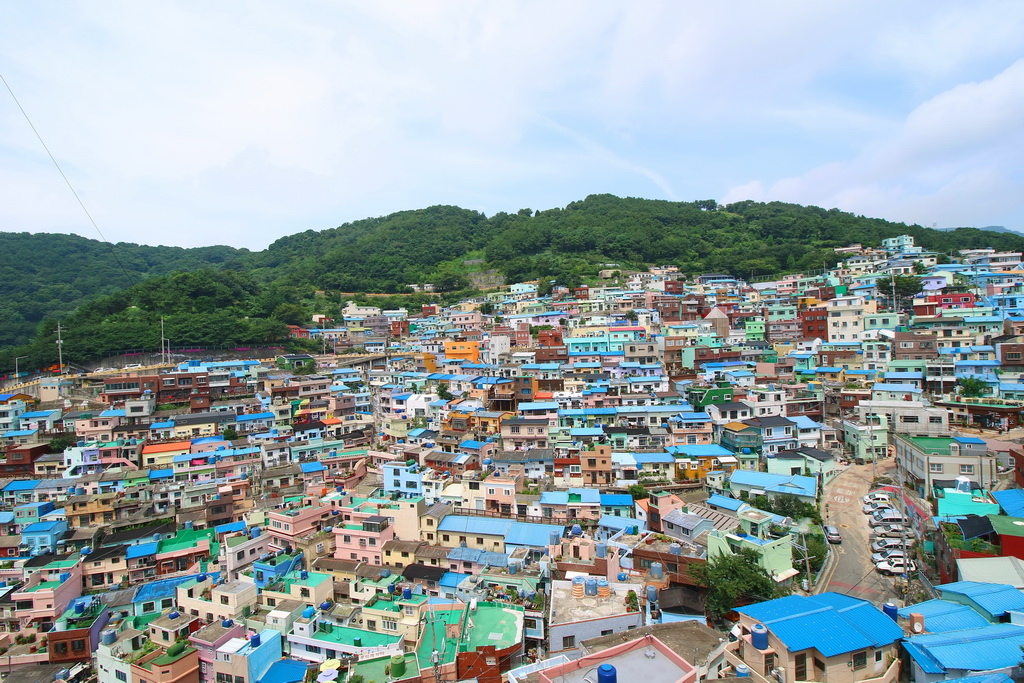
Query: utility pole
(60, 350)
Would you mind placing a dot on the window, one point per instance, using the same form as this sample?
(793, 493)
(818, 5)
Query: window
(966, 469)
(800, 667)
(121, 676)
(568, 642)
(935, 420)
(878, 656)
(860, 660)
(935, 467)
(389, 624)
(223, 599)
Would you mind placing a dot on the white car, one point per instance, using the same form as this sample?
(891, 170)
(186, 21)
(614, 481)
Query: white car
(893, 531)
(886, 544)
(896, 566)
(888, 555)
(877, 497)
(874, 506)
(132, 366)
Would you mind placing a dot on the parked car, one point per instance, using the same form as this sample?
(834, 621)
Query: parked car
(877, 497)
(892, 531)
(886, 544)
(885, 516)
(888, 555)
(832, 534)
(133, 366)
(874, 506)
(896, 566)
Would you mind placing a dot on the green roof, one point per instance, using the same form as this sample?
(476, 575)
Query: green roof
(497, 624)
(1007, 526)
(43, 586)
(930, 444)
(344, 635)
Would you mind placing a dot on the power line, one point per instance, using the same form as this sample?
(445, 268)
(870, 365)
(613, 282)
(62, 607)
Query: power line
(88, 215)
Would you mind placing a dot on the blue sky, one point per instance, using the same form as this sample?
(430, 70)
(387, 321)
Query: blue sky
(195, 123)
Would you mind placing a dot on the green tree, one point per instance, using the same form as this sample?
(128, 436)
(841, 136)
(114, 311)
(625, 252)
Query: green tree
(972, 387)
(230, 433)
(444, 393)
(906, 287)
(919, 268)
(637, 491)
(732, 578)
(61, 443)
(486, 308)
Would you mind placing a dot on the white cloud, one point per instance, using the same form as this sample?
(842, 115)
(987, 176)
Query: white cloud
(198, 123)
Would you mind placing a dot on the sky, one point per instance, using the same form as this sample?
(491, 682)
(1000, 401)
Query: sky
(199, 123)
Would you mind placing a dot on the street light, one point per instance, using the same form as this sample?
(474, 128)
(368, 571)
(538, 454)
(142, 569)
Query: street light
(16, 365)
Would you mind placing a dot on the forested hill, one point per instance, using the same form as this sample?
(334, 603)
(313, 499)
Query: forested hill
(50, 277)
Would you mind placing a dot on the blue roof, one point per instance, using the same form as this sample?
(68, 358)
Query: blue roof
(164, 588)
(943, 615)
(230, 527)
(529, 534)
(796, 484)
(720, 501)
(254, 416)
(308, 467)
(982, 678)
(700, 450)
(142, 550)
(478, 556)
(161, 474)
(996, 646)
(284, 671)
(968, 439)
(995, 598)
(899, 388)
(617, 499)
(653, 458)
(452, 579)
(475, 525)
(830, 622)
(22, 485)
(39, 528)
(1011, 501)
(616, 522)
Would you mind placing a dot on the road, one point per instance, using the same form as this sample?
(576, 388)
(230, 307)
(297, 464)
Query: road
(853, 573)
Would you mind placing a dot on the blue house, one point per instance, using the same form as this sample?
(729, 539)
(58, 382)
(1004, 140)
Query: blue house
(771, 485)
(403, 479)
(829, 636)
(995, 648)
(42, 537)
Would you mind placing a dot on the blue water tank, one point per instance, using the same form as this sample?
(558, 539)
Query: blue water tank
(891, 611)
(339, 489)
(157, 537)
(759, 637)
(577, 580)
(742, 671)
(602, 550)
(554, 538)
(392, 588)
(173, 615)
(577, 530)
(407, 593)
(675, 548)
(254, 532)
(79, 608)
(325, 605)
(65, 576)
(200, 578)
(657, 571)
(189, 525)
(385, 573)
(622, 576)
(227, 623)
(590, 587)
(303, 575)
(652, 594)
(513, 568)
(255, 640)
(86, 550)
(606, 674)
(308, 613)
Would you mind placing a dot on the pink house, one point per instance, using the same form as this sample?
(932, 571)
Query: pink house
(290, 524)
(643, 654)
(363, 538)
(206, 641)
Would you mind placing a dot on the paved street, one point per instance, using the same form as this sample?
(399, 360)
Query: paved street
(854, 573)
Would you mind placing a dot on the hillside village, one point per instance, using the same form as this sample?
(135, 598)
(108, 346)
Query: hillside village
(528, 487)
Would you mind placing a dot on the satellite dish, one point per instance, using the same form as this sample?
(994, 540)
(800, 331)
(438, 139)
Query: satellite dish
(918, 627)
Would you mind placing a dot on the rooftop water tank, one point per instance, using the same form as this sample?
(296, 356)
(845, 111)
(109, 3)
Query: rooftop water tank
(602, 550)
(890, 611)
(657, 571)
(606, 674)
(407, 593)
(590, 586)
(759, 637)
(652, 594)
(255, 640)
(227, 623)
(675, 548)
(108, 636)
(577, 530)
